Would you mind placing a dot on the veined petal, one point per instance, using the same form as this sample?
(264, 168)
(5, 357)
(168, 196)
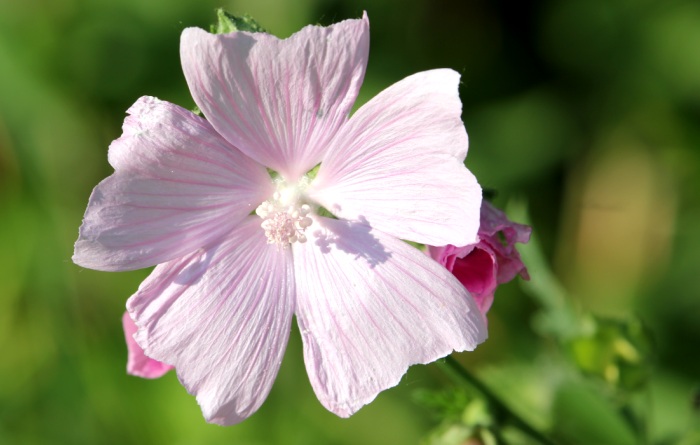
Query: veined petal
(369, 306)
(399, 164)
(177, 186)
(138, 364)
(222, 318)
(278, 101)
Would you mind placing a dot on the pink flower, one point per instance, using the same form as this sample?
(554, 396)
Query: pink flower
(491, 261)
(138, 364)
(240, 251)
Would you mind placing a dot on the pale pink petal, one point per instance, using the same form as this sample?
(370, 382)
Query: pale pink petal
(368, 307)
(138, 364)
(278, 101)
(222, 318)
(177, 186)
(399, 164)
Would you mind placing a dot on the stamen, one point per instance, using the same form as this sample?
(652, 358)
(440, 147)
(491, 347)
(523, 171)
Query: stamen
(284, 216)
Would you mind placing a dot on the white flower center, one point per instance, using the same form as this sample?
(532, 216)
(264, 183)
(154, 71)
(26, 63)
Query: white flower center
(285, 215)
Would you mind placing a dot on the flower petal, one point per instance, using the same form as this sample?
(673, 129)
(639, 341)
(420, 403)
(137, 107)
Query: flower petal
(177, 186)
(399, 164)
(477, 272)
(138, 364)
(278, 101)
(481, 267)
(222, 318)
(494, 221)
(369, 306)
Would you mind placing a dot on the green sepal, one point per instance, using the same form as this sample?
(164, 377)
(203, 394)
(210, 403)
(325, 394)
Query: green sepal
(418, 246)
(273, 174)
(227, 23)
(322, 211)
(311, 174)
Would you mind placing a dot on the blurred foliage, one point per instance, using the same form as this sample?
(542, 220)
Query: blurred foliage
(588, 110)
(617, 352)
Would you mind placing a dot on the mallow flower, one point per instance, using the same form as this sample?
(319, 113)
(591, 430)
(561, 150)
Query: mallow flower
(280, 204)
(491, 261)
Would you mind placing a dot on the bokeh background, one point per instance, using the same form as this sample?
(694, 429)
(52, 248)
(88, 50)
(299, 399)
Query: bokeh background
(584, 112)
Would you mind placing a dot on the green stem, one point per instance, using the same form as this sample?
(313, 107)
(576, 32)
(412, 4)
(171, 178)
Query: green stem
(457, 372)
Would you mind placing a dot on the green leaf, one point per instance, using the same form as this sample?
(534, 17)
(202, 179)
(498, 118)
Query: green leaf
(227, 23)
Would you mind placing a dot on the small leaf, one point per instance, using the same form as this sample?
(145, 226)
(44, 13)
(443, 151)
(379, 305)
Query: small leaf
(227, 23)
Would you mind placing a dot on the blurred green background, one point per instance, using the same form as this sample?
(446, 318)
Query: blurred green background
(588, 111)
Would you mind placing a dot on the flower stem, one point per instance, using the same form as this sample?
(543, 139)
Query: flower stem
(458, 373)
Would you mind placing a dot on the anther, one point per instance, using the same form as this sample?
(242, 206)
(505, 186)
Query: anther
(284, 218)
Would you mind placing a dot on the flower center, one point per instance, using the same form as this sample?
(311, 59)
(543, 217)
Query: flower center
(285, 215)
